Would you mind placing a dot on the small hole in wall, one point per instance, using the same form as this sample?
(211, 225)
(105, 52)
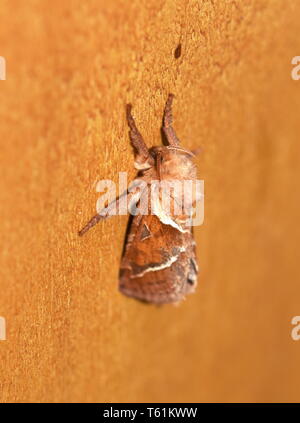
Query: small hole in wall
(177, 52)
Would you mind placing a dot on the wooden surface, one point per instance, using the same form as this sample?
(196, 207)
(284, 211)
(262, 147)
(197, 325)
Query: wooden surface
(71, 68)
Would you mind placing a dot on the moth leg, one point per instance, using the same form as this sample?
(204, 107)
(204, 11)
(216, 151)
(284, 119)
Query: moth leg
(167, 122)
(158, 164)
(105, 212)
(136, 138)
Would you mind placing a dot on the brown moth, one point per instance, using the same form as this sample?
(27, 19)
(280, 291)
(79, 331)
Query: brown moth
(159, 259)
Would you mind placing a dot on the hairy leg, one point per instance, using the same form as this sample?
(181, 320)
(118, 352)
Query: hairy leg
(104, 213)
(167, 122)
(135, 136)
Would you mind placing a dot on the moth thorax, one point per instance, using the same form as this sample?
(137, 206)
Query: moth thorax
(177, 166)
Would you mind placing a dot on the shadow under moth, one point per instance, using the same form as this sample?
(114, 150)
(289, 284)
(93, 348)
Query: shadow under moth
(159, 258)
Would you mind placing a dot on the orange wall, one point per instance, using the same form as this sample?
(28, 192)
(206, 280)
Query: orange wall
(71, 68)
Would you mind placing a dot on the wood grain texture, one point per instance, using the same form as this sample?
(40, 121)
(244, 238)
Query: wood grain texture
(71, 68)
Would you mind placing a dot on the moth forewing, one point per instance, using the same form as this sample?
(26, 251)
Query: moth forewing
(158, 263)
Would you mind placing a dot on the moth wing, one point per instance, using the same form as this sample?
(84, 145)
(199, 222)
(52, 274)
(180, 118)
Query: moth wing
(159, 262)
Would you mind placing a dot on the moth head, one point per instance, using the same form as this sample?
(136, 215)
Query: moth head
(174, 162)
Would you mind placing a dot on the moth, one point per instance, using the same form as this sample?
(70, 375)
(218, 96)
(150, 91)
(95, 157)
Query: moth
(159, 259)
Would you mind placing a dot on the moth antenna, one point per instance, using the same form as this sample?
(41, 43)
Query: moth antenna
(182, 150)
(167, 122)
